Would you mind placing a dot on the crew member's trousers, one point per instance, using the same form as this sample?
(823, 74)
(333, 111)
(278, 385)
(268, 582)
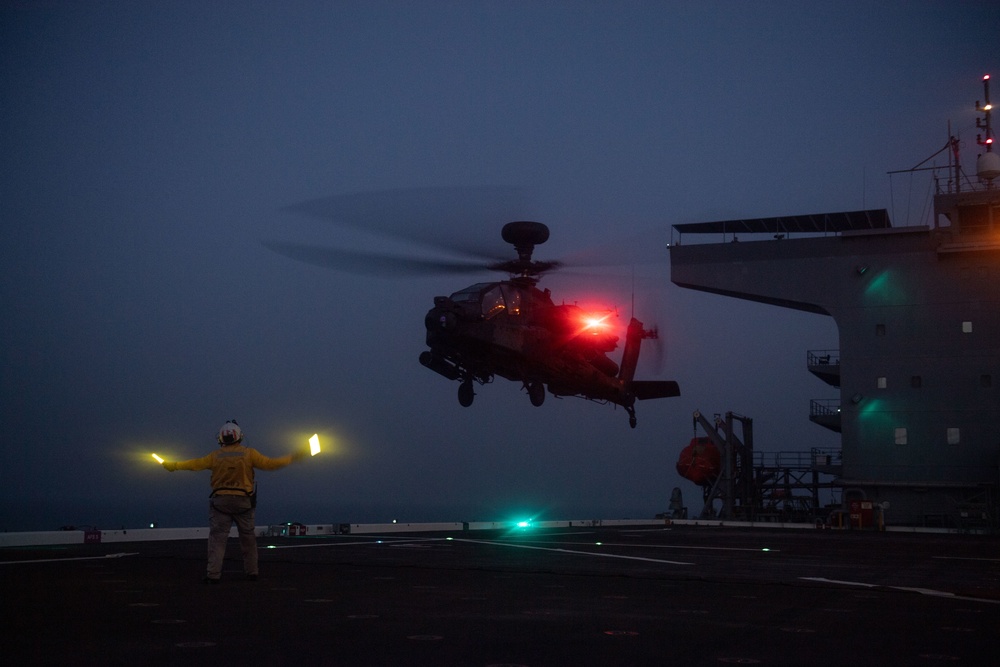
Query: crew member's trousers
(222, 512)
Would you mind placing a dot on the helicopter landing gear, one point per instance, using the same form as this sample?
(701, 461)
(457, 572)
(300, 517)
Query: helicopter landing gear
(536, 392)
(632, 421)
(466, 393)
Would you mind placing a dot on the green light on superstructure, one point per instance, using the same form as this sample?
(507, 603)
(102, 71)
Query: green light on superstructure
(884, 287)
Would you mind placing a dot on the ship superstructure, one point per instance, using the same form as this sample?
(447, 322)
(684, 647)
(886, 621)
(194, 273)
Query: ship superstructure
(918, 315)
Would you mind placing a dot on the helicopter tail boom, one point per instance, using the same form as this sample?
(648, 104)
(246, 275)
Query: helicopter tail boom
(630, 355)
(640, 389)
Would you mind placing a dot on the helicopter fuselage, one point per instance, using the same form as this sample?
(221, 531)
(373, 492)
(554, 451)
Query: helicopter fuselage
(513, 330)
(509, 329)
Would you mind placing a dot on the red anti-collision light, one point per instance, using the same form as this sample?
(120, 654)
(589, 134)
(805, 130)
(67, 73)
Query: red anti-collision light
(595, 323)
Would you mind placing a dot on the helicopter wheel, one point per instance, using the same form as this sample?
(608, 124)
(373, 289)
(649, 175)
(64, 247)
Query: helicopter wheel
(466, 393)
(536, 392)
(632, 421)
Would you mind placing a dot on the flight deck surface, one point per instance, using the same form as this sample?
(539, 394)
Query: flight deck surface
(676, 595)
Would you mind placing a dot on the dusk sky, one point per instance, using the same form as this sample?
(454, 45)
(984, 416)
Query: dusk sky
(150, 149)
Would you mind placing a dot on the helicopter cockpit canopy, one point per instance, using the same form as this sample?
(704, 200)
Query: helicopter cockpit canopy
(492, 299)
(568, 322)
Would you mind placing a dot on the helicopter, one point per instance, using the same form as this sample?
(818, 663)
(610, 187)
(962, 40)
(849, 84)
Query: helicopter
(508, 328)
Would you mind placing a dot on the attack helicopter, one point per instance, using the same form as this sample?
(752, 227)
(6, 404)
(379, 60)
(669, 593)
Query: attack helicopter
(509, 328)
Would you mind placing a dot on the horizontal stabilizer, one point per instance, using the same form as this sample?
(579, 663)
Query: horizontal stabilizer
(644, 389)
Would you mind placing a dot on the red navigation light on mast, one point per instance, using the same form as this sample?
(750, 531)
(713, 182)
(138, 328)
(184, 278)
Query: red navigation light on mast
(985, 139)
(988, 163)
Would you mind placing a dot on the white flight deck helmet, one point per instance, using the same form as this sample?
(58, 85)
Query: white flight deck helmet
(230, 433)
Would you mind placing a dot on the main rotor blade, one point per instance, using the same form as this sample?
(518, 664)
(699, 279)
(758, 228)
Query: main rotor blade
(374, 264)
(460, 219)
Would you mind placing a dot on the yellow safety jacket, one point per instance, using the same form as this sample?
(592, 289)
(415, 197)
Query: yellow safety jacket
(232, 468)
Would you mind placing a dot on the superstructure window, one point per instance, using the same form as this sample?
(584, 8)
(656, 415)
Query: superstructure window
(966, 327)
(986, 381)
(916, 381)
(881, 382)
(879, 329)
(900, 435)
(954, 436)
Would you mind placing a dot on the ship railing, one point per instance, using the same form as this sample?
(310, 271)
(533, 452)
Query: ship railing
(823, 357)
(823, 407)
(797, 460)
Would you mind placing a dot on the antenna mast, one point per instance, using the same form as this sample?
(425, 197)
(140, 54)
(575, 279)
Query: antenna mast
(988, 163)
(984, 123)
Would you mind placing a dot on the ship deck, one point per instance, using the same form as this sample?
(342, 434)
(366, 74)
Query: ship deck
(658, 595)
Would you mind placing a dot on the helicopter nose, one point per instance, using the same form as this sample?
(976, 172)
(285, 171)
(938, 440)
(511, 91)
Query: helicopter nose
(438, 319)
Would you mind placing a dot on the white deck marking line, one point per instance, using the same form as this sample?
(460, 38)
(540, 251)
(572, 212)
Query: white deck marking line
(64, 560)
(522, 531)
(578, 552)
(923, 591)
(374, 540)
(824, 580)
(665, 546)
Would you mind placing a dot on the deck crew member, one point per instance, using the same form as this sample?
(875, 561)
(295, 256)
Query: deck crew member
(233, 497)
